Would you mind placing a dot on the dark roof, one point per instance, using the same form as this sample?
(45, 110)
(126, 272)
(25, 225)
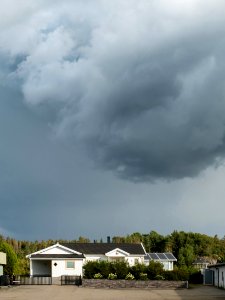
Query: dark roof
(67, 256)
(217, 265)
(160, 256)
(201, 260)
(102, 248)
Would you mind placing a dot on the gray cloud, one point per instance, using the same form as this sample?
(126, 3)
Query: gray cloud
(139, 84)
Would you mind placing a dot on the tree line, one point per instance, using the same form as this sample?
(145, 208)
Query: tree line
(186, 247)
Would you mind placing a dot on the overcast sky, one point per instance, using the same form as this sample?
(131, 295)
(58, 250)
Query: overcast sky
(112, 117)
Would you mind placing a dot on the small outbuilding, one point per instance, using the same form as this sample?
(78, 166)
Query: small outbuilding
(2, 262)
(217, 273)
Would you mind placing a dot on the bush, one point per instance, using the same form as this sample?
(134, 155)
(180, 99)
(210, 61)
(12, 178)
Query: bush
(137, 269)
(98, 276)
(90, 269)
(129, 276)
(143, 276)
(184, 274)
(120, 268)
(159, 277)
(154, 269)
(112, 276)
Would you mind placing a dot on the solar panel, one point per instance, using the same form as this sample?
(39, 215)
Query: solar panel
(153, 256)
(162, 256)
(170, 256)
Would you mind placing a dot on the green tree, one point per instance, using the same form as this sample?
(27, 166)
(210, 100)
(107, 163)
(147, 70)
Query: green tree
(11, 257)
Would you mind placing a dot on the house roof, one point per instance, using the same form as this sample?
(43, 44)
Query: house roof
(102, 248)
(201, 260)
(217, 265)
(66, 256)
(167, 256)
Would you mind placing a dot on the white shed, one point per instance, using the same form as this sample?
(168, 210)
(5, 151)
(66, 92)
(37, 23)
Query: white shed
(218, 274)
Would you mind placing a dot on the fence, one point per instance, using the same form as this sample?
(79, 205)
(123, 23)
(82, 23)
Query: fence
(71, 280)
(32, 280)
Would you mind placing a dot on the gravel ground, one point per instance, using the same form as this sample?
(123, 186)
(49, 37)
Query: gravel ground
(72, 292)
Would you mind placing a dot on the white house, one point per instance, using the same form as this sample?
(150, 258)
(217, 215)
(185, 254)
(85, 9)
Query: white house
(166, 259)
(55, 261)
(218, 274)
(68, 258)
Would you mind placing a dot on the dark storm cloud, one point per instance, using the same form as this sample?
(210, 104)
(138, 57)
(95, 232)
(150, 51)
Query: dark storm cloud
(139, 83)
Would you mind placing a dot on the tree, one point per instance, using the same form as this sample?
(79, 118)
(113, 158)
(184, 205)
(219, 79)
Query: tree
(186, 255)
(11, 257)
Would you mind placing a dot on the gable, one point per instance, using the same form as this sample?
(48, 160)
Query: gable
(117, 253)
(56, 249)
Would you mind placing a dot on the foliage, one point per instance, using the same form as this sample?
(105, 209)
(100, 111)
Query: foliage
(93, 267)
(112, 276)
(138, 269)
(159, 277)
(143, 276)
(120, 268)
(185, 274)
(11, 258)
(98, 276)
(154, 269)
(129, 276)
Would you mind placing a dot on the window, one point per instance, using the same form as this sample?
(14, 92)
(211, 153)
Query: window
(70, 264)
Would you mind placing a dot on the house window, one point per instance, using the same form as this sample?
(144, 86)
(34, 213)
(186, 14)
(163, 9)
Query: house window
(70, 265)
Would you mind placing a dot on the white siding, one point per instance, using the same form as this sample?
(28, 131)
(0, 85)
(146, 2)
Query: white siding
(130, 259)
(99, 257)
(60, 268)
(219, 276)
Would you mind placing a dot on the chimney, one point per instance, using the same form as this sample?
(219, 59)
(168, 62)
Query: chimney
(108, 240)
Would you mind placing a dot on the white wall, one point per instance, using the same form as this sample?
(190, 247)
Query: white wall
(130, 259)
(90, 257)
(60, 268)
(219, 276)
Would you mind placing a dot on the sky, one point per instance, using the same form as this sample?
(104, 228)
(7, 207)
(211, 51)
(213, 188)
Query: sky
(112, 117)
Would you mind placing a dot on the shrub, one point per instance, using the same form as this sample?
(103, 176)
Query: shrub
(137, 269)
(143, 276)
(129, 276)
(159, 277)
(112, 276)
(120, 268)
(90, 269)
(154, 269)
(98, 276)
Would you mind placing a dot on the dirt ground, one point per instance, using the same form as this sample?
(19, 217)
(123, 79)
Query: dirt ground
(72, 292)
